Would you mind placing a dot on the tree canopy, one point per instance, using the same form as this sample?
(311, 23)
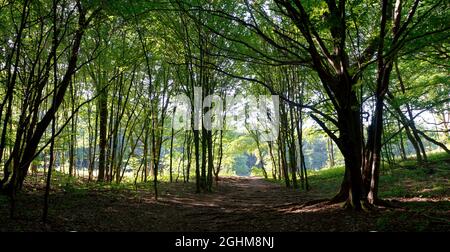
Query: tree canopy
(93, 89)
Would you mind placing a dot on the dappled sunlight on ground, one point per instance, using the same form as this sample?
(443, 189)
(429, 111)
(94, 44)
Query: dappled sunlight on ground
(237, 204)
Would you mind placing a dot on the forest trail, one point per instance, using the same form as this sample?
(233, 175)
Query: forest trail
(253, 204)
(237, 204)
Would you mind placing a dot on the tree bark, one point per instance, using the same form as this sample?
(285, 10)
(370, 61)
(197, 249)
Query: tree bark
(21, 165)
(103, 116)
(171, 150)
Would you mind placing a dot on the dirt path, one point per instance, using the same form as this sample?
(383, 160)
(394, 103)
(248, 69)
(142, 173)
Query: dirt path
(252, 204)
(237, 204)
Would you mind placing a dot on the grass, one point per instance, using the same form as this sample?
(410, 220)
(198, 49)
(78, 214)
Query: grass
(411, 179)
(422, 195)
(422, 188)
(326, 182)
(405, 179)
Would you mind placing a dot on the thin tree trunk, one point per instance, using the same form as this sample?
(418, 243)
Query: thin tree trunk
(220, 156)
(52, 143)
(197, 160)
(434, 141)
(274, 166)
(210, 161)
(37, 129)
(261, 158)
(292, 149)
(171, 149)
(103, 116)
(72, 132)
(402, 145)
(189, 156)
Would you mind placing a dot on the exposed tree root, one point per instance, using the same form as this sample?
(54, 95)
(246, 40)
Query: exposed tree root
(367, 207)
(365, 204)
(313, 202)
(383, 203)
(342, 196)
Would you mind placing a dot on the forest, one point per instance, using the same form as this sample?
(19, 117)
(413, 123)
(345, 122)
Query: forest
(207, 115)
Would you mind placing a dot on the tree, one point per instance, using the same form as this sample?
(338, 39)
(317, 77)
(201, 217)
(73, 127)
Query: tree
(33, 128)
(331, 47)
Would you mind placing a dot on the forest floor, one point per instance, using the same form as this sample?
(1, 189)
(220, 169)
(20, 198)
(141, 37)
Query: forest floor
(422, 203)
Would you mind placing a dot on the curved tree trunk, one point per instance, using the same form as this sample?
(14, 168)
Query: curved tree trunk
(25, 153)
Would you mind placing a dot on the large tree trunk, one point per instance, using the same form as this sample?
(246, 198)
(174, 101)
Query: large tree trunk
(350, 143)
(372, 156)
(350, 138)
